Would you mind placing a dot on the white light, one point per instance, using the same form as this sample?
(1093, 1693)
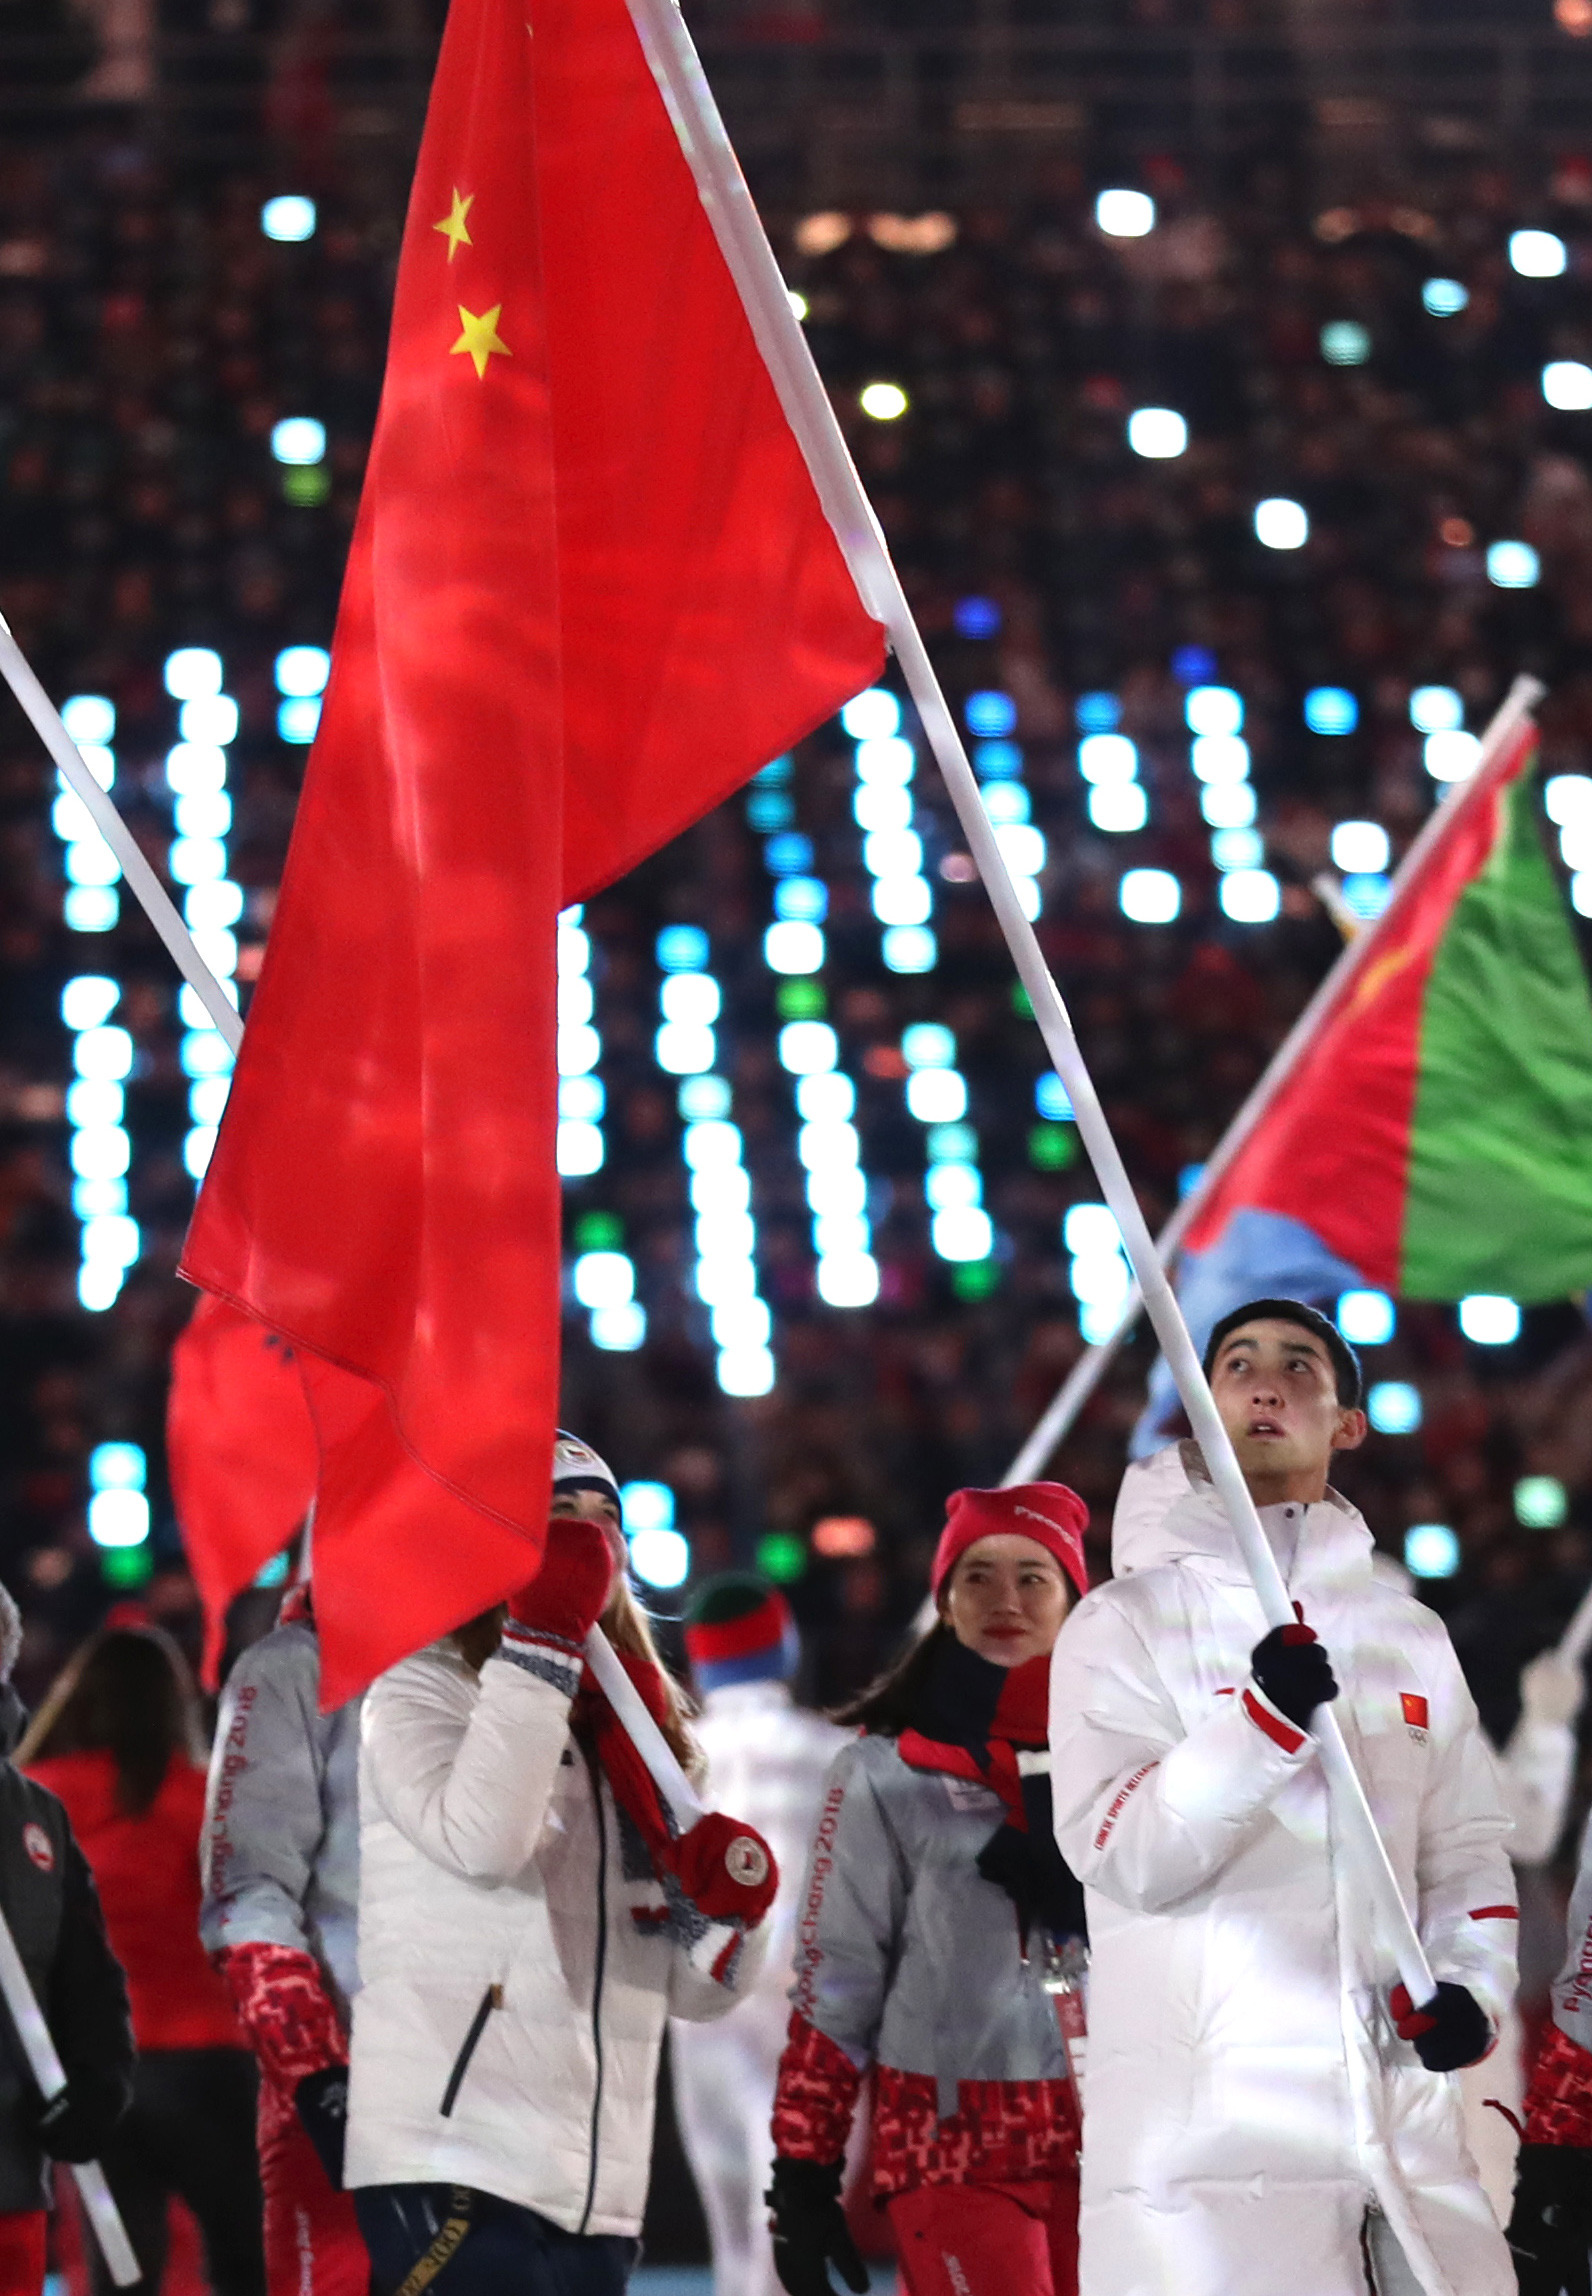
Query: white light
(579, 1150)
(725, 1234)
(117, 1467)
(1567, 385)
(1366, 1318)
(71, 819)
(103, 1052)
(793, 947)
(872, 715)
(1281, 524)
(885, 402)
(836, 1234)
(713, 1144)
(692, 998)
(195, 860)
(298, 440)
(902, 900)
(1249, 896)
(1537, 254)
(1096, 1324)
(1393, 1407)
(1431, 1550)
(1022, 847)
(1125, 214)
(91, 1103)
(103, 1153)
(604, 1279)
(1219, 757)
(797, 301)
(1157, 433)
(209, 815)
(1100, 1279)
(100, 761)
(1512, 566)
(1107, 758)
(837, 1191)
(1228, 804)
(1568, 798)
(1450, 756)
(720, 1188)
(909, 949)
(683, 1048)
(826, 1099)
(302, 670)
(647, 1506)
(808, 1047)
(962, 1232)
(195, 766)
(947, 1185)
(289, 217)
(91, 862)
(720, 1281)
(207, 1098)
(205, 1052)
(739, 1323)
(1213, 709)
(1238, 849)
(893, 853)
(1150, 896)
(89, 1000)
(885, 760)
(111, 1237)
(209, 718)
(212, 907)
(575, 1000)
(937, 1096)
(619, 1330)
(118, 1518)
(574, 951)
(198, 1147)
(91, 908)
(1444, 298)
(848, 1280)
(299, 721)
(1575, 843)
(1119, 810)
(1436, 709)
(89, 717)
(881, 805)
(741, 1371)
(821, 1146)
(1581, 892)
(1360, 845)
(1488, 1320)
(98, 1282)
(1090, 1229)
(191, 672)
(579, 1050)
(1006, 801)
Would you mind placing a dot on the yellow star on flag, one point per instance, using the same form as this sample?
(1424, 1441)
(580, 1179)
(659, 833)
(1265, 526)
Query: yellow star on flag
(455, 227)
(480, 337)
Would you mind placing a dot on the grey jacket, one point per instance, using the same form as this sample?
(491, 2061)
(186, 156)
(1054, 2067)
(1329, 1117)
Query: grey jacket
(1572, 1988)
(280, 1855)
(905, 1955)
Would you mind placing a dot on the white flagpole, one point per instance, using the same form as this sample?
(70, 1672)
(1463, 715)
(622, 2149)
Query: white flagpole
(728, 204)
(1086, 1373)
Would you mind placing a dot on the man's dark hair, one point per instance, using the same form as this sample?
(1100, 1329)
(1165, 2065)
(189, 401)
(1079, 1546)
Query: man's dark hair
(1345, 1363)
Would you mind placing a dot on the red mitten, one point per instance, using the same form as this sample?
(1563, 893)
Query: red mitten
(726, 1870)
(284, 2007)
(570, 1592)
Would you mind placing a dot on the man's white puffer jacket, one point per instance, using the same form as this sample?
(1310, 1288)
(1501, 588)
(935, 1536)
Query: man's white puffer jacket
(1248, 2107)
(511, 2010)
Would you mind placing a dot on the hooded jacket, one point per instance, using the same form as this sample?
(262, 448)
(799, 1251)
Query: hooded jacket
(1249, 2108)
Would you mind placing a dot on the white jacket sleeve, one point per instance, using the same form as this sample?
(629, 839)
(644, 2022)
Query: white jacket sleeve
(1537, 1771)
(697, 1995)
(1146, 1812)
(466, 1776)
(1468, 1918)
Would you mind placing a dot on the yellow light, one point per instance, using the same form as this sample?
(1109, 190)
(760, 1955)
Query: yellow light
(885, 402)
(797, 301)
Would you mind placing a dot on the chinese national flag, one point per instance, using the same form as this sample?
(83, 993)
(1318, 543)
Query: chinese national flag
(591, 590)
(240, 1445)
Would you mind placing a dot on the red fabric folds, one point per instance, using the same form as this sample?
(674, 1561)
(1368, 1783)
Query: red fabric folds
(591, 590)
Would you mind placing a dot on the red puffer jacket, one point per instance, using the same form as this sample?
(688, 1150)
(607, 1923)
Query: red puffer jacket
(147, 1870)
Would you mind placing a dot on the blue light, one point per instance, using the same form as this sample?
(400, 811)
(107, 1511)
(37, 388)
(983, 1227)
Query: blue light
(909, 949)
(1366, 1318)
(1367, 892)
(790, 854)
(1444, 298)
(976, 617)
(1193, 665)
(1331, 709)
(117, 1467)
(89, 717)
(998, 760)
(928, 1045)
(1393, 1407)
(299, 440)
(990, 713)
(682, 948)
(1051, 1098)
(804, 898)
(299, 721)
(1431, 1550)
(289, 217)
(1097, 713)
(647, 1506)
(777, 773)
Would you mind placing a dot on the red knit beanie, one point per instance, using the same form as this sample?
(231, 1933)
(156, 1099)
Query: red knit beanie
(1048, 1513)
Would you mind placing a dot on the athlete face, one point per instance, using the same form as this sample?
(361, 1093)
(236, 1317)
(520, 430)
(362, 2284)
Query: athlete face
(1277, 1393)
(1007, 1598)
(593, 1507)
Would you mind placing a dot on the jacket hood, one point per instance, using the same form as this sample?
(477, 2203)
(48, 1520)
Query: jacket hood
(1167, 1511)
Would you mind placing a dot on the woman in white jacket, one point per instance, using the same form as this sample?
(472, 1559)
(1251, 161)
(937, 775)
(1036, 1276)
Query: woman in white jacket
(528, 1921)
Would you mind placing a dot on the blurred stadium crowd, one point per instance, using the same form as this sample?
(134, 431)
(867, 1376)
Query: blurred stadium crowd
(186, 395)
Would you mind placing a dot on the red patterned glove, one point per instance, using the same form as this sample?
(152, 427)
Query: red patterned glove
(725, 1869)
(284, 2007)
(570, 1592)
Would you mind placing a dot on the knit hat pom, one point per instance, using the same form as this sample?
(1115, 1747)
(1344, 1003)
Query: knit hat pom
(1048, 1513)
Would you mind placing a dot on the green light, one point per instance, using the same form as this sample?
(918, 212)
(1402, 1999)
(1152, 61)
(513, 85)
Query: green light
(975, 1279)
(1022, 1002)
(599, 1232)
(307, 487)
(1052, 1147)
(1541, 1502)
(782, 1557)
(800, 1000)
(126, 1567)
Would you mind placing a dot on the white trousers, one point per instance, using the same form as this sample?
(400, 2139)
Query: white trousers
(724, 2077)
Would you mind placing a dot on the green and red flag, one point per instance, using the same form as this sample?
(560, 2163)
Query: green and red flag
(591, 590)
(1435, 1137)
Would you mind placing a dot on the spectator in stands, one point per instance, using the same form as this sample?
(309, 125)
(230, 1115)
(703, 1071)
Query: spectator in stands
(119, 1741)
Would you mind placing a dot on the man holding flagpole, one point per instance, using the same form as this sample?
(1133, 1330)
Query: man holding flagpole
(1261, 2106)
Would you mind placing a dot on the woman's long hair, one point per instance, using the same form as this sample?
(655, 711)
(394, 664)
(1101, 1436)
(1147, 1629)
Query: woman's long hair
(887, 1706)
(127, 1693)
(627, 1627)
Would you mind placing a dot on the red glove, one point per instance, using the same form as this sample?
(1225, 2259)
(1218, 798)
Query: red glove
(284, 2007)
(570, 1592)
(726, 1870)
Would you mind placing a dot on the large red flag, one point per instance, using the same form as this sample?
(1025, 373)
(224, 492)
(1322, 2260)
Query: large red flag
(591, 591)
(240, 1446)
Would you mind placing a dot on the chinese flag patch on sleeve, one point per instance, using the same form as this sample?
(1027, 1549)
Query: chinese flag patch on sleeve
(1414, 1706)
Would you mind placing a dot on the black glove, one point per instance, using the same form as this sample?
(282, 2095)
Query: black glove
(1294, 1672)
(1031, 1869)
(1448, 2032)
(75, 2123)
(1551, 2227)
(810, 2229)
(322, 2102)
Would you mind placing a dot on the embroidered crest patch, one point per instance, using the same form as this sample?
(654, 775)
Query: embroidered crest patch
(39, 1847)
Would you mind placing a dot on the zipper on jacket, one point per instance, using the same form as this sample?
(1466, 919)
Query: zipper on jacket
(598, 1971)
(491, 1999)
